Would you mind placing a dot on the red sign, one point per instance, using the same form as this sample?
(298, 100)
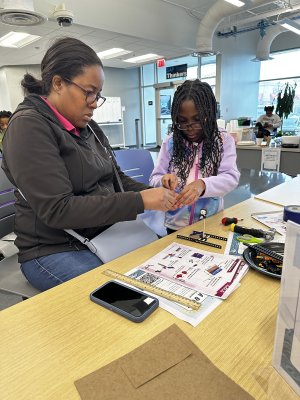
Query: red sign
(161, 62)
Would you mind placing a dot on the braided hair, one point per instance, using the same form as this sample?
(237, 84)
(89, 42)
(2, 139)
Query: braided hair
(184, 152)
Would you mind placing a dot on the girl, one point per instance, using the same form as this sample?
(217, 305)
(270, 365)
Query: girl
(196, 160)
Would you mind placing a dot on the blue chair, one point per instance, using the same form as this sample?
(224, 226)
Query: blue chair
(138, 164)
(11, 278)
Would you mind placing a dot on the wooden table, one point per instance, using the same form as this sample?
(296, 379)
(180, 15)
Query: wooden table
(59, 336)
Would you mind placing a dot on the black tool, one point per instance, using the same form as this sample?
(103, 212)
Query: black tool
(259, 233)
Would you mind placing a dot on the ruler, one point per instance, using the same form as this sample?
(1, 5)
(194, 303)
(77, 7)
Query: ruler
(152, 289)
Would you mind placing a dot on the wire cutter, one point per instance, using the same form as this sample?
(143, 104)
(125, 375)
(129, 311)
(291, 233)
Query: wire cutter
(249, 239)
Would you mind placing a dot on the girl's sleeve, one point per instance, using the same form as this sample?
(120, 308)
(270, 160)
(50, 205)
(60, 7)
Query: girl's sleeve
(228, 175)
(162, 164)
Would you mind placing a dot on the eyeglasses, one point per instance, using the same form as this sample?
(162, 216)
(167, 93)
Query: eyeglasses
(184, 126)
(90, 96)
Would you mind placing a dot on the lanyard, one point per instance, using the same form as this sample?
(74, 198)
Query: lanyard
(195, 179)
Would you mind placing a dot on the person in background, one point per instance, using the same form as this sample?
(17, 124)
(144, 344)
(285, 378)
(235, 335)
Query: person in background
(64, 174)
(196, 160)
(4, 117)
(262, 133)
(269, 120)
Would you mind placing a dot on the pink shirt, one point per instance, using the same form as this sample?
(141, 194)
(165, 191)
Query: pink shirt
(65, 123)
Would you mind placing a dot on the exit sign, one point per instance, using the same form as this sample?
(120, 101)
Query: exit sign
(161, 63)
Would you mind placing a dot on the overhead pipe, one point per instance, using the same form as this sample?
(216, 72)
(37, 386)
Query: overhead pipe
(262, 25)
(211, 20)
(264, 44)
(269, 14)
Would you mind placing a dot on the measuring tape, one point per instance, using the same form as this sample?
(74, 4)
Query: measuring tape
(152, 289)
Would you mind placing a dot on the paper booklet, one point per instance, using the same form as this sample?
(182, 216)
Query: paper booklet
(193, 273)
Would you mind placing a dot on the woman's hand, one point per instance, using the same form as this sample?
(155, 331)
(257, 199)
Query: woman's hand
(190, 193)
(169, 181)
(159, 199)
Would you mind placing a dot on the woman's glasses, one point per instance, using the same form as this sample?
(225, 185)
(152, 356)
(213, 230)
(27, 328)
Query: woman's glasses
(90, 96)
(184, 126)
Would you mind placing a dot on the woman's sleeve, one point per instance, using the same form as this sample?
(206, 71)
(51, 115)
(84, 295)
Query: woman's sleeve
(277, 122)
(162, 164)
(228, 174)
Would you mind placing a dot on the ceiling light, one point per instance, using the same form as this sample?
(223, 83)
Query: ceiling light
(145, 57)
(290, 25)
(111, 53)
(17, 39)
(237, 3)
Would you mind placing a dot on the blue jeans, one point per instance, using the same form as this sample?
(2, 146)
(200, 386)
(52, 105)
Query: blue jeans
(49, 271)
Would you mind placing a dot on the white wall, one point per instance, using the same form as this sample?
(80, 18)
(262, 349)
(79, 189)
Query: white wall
(14, 75)
(122, 83)
(239, 75)
(4, 92)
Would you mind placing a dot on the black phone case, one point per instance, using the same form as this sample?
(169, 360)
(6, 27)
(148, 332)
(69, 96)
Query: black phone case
(117, 310)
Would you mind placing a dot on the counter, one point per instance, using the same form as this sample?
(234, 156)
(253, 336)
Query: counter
(250, 157)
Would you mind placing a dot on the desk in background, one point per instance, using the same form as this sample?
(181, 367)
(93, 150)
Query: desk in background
(250, 157)
(59, 336)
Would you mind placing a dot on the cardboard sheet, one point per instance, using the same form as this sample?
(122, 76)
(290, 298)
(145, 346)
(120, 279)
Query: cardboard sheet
(169, 366)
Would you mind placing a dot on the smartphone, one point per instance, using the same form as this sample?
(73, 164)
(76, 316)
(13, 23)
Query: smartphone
(128, 302)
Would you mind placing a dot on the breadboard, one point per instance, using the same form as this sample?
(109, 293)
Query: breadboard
(152, 289)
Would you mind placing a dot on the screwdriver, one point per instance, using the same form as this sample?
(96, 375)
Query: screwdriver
(258, 233)
(228, 221)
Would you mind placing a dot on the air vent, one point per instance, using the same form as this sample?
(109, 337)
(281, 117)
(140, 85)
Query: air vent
(20, 13)
(21, 18)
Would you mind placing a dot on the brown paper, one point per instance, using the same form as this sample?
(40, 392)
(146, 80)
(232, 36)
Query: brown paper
(169, 366)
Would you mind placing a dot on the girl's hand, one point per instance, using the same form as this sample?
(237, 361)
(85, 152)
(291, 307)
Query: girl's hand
(169, 181)
(190, 193)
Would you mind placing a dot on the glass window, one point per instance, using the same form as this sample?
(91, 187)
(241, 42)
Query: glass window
(284, 64)
(208, 70)
(192, 72)
(273, 75)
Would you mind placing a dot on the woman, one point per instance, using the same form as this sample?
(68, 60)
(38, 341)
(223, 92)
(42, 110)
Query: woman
(4, 118)
(64, 174)
(197, 160)
(269, 120)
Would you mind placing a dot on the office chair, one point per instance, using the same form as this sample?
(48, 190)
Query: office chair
(11, 278)
(138, 164)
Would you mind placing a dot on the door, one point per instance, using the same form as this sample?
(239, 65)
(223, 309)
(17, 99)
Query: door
(164, 97)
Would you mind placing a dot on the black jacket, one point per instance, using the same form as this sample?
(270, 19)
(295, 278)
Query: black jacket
(68, 182)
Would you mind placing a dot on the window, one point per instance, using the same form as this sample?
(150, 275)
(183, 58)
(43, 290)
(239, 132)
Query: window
(273, 75)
